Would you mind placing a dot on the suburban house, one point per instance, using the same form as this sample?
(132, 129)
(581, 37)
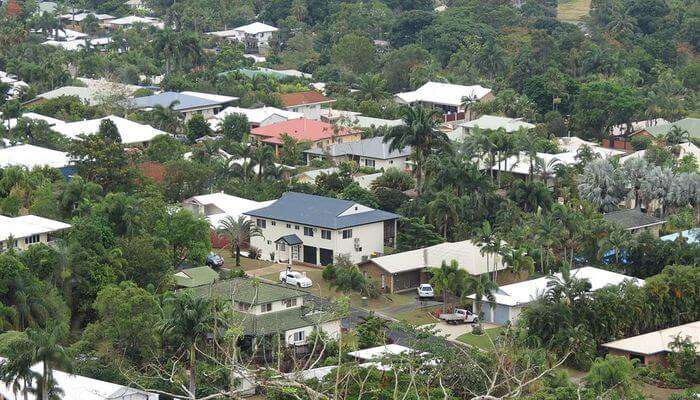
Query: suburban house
(74, 387)
(16, 86)
(314, 229)
(27, 230)
(451, 99)
(12, 122)
(99, 44)
(95, 91)
(407, 270)
(132, 133)
(489, 123)
(30, 157)
(272, 73)
(132, 20)
(574, 144)
(79, 17)
(262, 116)
(308, 103)
(544, 165)
(656, 130)
(653, 348)
(217, 207)
(678, 151)
(372, 152)
(194, 277)
(255, 36)
(511, 299)
(635, 221)
(267, 310)
(318, 134)
(187, 103)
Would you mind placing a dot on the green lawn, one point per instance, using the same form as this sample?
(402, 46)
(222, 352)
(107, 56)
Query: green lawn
(483, 341)
(573, 10)
(247, 264)
(323, 289)
(421, 316)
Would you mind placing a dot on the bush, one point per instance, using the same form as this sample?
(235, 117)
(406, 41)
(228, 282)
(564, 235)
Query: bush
(640, 142)
(659, 376)
(254, 253)
(231, 273)
(329, 272)
(477, 329)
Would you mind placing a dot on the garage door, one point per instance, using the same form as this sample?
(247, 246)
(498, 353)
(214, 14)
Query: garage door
(501, 314)
(326, 256)
(407, 280)
(486, 312)
(310, 254)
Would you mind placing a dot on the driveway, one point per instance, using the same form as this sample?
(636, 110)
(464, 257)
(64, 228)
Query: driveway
(452, 332)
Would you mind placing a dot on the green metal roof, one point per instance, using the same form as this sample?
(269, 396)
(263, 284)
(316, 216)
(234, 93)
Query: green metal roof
(246, 290)
(198, 276)
(632, 219)
(692, 125)
(280, 321)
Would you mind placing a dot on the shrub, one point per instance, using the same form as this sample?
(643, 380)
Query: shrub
(329, 272)
(254, 253)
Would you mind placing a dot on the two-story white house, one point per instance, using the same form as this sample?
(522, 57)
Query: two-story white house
(266, 309)
(24, 231)
(314, 229)
(371, 152)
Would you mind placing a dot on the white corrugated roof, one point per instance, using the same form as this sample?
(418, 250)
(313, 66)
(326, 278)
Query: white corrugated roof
(211, 97)
(135, 19)
(31, 156)
(522, 293)
(131, 132)
(493, 122)
(443, 93)
(379, 352)
(77, 387)
(28, 225)
(37, 117)
(466, 253)
(258, 115)
(657, 342)
(255, 28)
(231, 206)
(520, 163)
(573, 144)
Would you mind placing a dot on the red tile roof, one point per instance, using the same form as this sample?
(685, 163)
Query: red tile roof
(302, 98)
(301, 129)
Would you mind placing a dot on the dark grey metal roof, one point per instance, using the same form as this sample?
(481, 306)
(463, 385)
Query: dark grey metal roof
(308, 209)
(371, 148)
(291, 240)
(166, 98)
(631, 219)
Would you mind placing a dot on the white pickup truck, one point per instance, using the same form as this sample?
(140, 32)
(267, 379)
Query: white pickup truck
(460, 316)
(295, 278)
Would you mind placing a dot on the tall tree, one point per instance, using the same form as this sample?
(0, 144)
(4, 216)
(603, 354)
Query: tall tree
(238, 232)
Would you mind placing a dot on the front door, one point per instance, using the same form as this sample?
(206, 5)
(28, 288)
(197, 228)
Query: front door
(309, 254)
(326, 256)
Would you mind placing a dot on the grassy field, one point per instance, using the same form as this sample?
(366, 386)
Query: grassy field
(421, 316)
(483, 341)
(573, 10)
(323, 289)
(247, 264)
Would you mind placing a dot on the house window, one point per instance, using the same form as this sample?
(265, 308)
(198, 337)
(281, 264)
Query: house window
(273, 223)
(289, 226)
(325, 234)
(296, 227)
(290, 303)
(299, 336)
(262, 224)
(281, 247)
(267, 307)
(31, 239)
(308, 231)
(242, 306)
(369, 163)
(347, 233)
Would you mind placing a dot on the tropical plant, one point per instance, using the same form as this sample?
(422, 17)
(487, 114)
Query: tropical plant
(238, 232)
(481, 286)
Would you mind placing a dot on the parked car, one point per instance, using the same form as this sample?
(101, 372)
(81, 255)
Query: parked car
(214, 260)
(425, 291)
(295, 278)
(460, 316)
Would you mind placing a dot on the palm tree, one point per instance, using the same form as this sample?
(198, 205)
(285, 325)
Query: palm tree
(443, 212)
(602, 185)
(372, 87)
(420, 132)
(262, 158)
(482, 142)
(616, 241)
(186, 320)
(292, 150)
(531, 195)
(16, 369)
(166, 118)
(238, 231)
(490, 244)
(482, 287)
(47, 349)
(443, 280)
(518, 259)
(676, 136)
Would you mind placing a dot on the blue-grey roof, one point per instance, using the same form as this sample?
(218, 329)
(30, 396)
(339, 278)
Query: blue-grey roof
(308, 209)
(166, 98)
(371, 148)
(291, 240)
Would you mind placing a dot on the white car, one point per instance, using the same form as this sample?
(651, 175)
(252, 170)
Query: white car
(295, 278)
(425, 291)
